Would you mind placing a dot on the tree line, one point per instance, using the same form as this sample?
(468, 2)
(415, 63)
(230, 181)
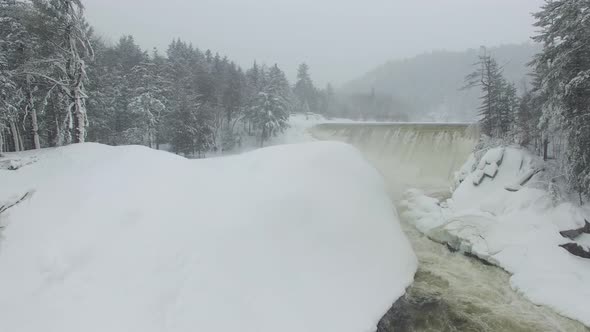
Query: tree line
(552, 117)
(62, 84)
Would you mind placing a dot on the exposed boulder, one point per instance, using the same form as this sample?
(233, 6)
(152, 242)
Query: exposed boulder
(574, 233)
(576, 250)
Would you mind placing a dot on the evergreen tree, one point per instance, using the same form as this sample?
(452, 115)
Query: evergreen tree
(15, 50)
(498, 97)
(271, 108)
(305, 91)
(60, 84)
(564, 71)
(328, 101)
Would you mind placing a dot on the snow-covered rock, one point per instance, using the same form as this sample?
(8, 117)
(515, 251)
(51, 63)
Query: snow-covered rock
(477, 177)
(290, 238)
(465, 170)
(492, 156)
(517, 230)
(491, 170)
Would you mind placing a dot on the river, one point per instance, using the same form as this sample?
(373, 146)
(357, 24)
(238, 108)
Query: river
(451, 292)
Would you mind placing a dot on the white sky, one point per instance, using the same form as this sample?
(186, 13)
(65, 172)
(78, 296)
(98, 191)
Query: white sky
(339, 39)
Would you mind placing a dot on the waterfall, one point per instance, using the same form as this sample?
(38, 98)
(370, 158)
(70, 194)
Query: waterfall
(408, 155)
(451, 292)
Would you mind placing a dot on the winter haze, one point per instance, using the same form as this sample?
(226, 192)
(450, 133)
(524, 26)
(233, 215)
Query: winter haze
(294, 166)
(340, 40)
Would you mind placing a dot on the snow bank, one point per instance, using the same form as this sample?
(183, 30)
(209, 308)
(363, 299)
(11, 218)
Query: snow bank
(290, 238)
(518, 231)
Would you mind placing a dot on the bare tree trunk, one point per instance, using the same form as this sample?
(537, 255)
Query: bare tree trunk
(21, 142)
(30, 108)
(263, 136)
(14, 133)
(79, 118)
(35, 129)
(1, 141)
(545, 148)
(58, 134)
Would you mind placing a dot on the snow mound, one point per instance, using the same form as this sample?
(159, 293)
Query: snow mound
(492, 156)
(516, 230)
(290, 238)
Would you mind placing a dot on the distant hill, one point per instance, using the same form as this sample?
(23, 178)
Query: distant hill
(430, 84)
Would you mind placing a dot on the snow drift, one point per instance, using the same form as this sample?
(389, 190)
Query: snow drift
(515, 227)
(290, 238)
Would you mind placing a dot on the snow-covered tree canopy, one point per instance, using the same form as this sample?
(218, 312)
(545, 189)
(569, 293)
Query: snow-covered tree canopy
(563, 69)
(60, 84)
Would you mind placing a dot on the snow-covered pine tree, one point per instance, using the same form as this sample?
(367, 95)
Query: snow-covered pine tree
(305, 91)
(104, 84)
(61, 26)
(194, 102)
(271, 109)
(149, 111)
(564, 70)
(49, 91)
(16, 48)
(147, 102)
(129, 68)
(528, 128)
(204, 136)
(498, 97)
(233, 101)
(509, 103)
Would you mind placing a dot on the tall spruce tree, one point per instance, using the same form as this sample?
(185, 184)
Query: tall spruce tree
(271, 108)
(498, 97)
(61, 84)
(564, 70)
(305, 91)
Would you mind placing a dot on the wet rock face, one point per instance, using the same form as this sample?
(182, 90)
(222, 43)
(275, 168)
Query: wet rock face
(427, 308)
(410, 314)
(418, 311)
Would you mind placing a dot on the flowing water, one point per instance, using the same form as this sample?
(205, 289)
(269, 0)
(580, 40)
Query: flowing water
(451, 292)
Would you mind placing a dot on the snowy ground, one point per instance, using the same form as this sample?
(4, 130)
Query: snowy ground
(295, 238)
(516, 230)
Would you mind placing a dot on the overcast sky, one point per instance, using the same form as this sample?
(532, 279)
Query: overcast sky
(339, 39)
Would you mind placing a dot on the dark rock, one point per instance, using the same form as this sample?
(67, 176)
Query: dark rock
(420, 312)
(574, 233)
(576, 250)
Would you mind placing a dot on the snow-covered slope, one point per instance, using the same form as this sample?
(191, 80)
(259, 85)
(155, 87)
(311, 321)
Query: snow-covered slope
(517, 230)
(290, 238)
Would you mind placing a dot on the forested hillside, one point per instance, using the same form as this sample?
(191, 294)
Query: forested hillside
(61, 84)
(429, 86)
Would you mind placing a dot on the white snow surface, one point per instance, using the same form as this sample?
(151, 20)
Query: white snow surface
(289, 238)
(518, 231)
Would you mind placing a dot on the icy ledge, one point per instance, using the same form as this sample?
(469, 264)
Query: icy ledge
(290, 238)
(516, 230)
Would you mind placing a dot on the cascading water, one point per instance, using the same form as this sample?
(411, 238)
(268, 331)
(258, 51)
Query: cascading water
(423, 156)
(451, 292)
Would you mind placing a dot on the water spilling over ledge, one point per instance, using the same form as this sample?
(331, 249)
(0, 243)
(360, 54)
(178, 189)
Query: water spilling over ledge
(408, 155)
(451, 292)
